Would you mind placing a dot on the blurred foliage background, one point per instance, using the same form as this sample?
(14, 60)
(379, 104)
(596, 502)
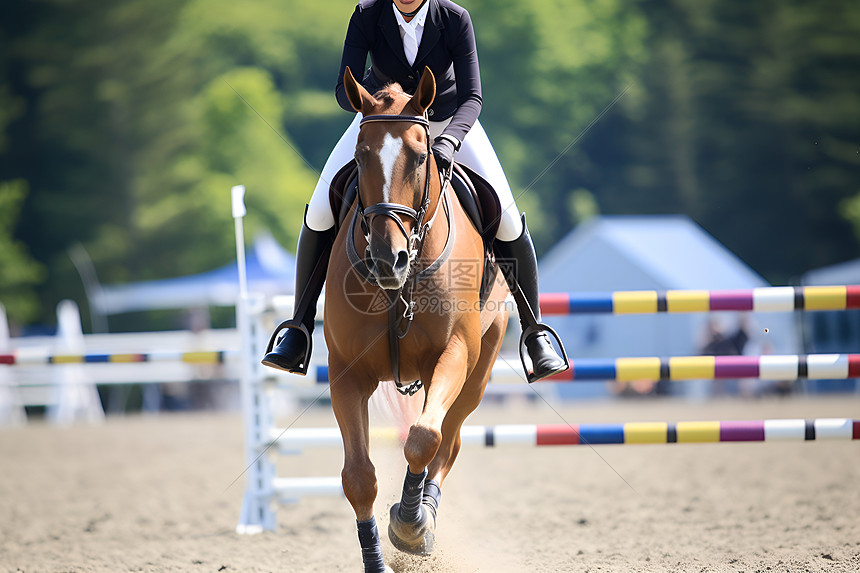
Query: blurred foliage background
(122, 128)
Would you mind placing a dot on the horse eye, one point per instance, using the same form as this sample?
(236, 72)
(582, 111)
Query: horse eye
(360, 154)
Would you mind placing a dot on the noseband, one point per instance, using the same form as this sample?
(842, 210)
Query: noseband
(395, 210)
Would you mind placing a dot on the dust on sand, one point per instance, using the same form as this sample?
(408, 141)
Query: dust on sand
(155, 494)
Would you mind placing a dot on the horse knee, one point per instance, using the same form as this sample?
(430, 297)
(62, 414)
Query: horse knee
(421, 446)
(359, 486)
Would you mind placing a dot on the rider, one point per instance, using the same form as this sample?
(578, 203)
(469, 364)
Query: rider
(402, 37)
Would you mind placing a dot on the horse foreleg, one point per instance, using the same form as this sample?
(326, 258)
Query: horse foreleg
(467, 400)
(349, 402)
(413, 521)
(445, 384)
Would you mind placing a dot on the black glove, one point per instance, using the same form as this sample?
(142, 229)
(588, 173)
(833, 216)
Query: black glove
(443, 149)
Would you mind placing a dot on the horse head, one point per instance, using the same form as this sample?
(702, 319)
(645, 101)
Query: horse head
(395, 164)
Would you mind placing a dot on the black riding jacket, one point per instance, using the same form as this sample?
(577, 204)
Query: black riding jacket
(447, 48)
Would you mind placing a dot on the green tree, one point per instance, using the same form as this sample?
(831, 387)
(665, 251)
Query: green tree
(19, 273)
(547, 74)
(122, 121)
(129, 108)
(235, 146)
(749, 126)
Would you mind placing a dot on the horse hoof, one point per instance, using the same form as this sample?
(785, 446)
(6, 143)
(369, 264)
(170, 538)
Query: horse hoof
(416, 538)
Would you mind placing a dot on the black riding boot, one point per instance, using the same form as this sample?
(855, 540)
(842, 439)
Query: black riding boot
(292, 352)
(518, 262)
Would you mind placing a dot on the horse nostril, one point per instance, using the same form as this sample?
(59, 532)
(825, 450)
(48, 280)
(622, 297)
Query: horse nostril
(402, 260)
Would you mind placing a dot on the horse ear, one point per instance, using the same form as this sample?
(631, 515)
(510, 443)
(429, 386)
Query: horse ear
(355, 92)
(426, 92)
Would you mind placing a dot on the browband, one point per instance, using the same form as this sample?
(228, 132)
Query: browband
(410, 118)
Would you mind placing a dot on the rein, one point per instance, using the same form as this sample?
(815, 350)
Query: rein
(415, 244)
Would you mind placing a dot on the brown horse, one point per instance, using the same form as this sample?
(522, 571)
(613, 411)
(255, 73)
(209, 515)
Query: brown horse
(411, 230)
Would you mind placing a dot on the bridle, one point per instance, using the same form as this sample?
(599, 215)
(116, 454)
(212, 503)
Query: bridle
(414, 239)
(415, 244)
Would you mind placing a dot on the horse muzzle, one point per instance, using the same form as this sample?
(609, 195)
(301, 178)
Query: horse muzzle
(389, 266)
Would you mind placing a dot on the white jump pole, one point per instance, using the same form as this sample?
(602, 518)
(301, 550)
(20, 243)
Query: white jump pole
(293, 489)
(257, 511)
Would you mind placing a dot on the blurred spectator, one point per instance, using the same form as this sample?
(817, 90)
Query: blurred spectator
(720, 344)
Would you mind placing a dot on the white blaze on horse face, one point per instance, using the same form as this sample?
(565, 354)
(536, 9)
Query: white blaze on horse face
(391, 147)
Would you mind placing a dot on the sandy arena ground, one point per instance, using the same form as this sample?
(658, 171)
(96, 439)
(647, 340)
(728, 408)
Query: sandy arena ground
(154, 494)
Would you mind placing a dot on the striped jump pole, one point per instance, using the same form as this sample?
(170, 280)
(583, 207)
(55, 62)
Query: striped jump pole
(765, 299)
(798, 430)
(678, 368)
(667, 433)
(202, 357)
(785, 367)
(293, 440)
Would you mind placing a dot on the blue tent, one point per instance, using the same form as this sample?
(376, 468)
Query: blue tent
(270, 270)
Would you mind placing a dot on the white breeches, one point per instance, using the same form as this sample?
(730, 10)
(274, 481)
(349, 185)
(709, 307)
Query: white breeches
(476, 152)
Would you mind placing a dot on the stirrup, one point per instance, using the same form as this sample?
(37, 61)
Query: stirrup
(294, 324)
(526, 360)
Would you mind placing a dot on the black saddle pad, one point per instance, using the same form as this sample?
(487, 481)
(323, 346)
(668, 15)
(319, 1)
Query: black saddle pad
(479, 200)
